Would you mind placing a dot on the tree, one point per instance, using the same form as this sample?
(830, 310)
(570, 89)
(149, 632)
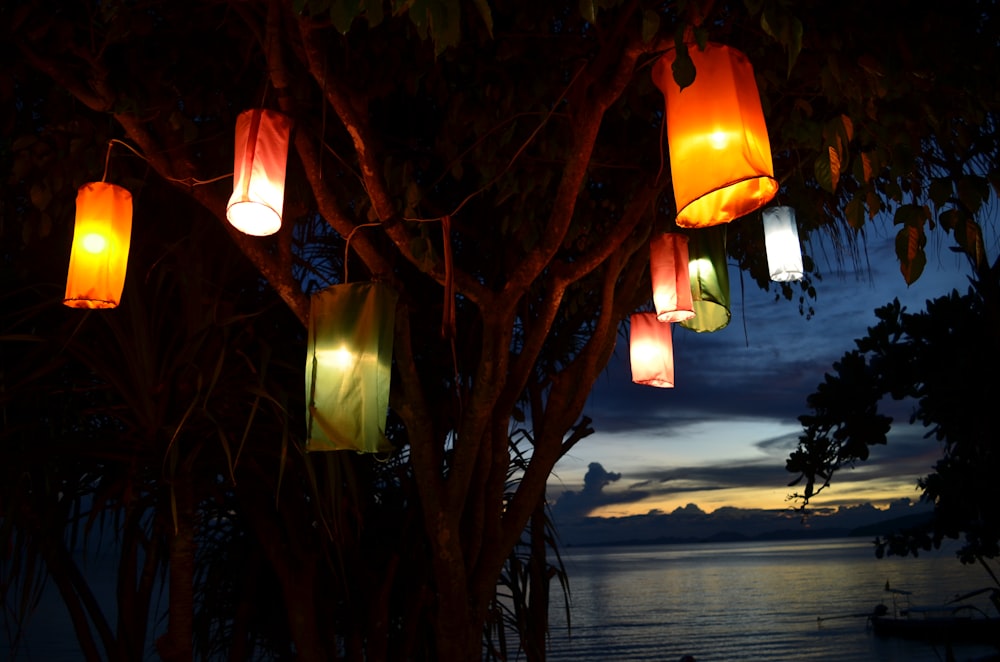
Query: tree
(943, 358)
(501, 167)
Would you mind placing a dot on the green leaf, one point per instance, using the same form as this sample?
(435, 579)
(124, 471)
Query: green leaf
(969, 236)
(40, 195)
(912, 215)
(683, 68)
(973, 191)
(588, 10)
(650, 25)
(484, 12)
(373, 12)
(785, 29)
(910, 242)
(939, 191)
(827, 170)
(343, 13)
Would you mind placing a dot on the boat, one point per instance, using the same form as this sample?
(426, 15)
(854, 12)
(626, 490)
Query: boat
(954, 621)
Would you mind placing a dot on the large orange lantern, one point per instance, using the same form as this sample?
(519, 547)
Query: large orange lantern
(709, 273)
(720, 156)
(262, 138)
(668, 266)
(781, 240)
(101, 239)
(651, 351)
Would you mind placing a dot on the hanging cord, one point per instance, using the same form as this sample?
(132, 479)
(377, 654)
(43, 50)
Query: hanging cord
(189, 181)
(448, 310)
(663, 126)
(347, 244)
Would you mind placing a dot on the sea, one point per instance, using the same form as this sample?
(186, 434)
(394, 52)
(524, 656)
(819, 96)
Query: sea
(791, 601)
(719, 602)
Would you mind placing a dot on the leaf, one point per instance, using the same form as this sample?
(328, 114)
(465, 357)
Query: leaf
(786, 30)
(855, 212)
(650, 25)
(343, 13)
(969, 236)
(41, 196)
(874, 203)
(912, 215)
(588, 10)
(683, 68)
(413, 198)
(939, 191)
(973, 191)
(484, 12)
(910, 242)
(866, 165)
(827, 170)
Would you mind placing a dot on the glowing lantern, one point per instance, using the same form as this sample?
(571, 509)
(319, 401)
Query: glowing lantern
(709, 275)
(101, 239)
(651, 351)
(668, 265)
(262, 138)
(348, 367)
(720, 157)
(781, 239)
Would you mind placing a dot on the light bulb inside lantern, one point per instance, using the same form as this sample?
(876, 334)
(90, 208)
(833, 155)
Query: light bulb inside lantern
(95, 243)
(718, 140)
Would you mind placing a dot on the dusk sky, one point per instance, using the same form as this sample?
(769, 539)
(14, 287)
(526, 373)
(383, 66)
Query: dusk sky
(721, 436)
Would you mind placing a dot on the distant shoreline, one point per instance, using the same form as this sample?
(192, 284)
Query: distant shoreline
(878, 529)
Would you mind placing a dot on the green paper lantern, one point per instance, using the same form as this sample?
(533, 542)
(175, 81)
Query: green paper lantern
(709, 280)
(348, 367)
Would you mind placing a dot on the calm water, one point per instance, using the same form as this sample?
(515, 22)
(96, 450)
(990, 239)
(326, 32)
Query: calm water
(748, 601)
(719, 602)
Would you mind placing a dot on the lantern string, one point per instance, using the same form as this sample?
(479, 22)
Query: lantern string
(347, 244)
(189, 181)
(448, 310)
(663, 126)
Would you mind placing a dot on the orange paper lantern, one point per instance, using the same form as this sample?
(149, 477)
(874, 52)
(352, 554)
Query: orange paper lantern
(99, 254)
(720, 157)
(262, 138)
(651, 351)
(668, 265)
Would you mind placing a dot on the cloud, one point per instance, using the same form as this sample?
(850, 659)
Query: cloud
(572, 505)
(575, 526)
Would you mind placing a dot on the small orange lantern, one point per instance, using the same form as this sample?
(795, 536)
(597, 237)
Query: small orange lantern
(668, 266)
(262, 138)
(101, 239)
(781, 240)
(720, 157)
(651, 351)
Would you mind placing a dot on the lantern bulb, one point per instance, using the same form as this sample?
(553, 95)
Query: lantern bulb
(718, 140)
(95, 243)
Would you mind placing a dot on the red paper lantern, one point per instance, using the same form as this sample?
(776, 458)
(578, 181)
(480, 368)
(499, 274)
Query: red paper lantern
(720, 157)
(99, 255)
(262, 138)
(668, 265)
(651, 351)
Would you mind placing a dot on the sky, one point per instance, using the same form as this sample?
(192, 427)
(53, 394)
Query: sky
(719, 439)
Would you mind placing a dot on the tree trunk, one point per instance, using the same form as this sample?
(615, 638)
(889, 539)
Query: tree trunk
(177, 644)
